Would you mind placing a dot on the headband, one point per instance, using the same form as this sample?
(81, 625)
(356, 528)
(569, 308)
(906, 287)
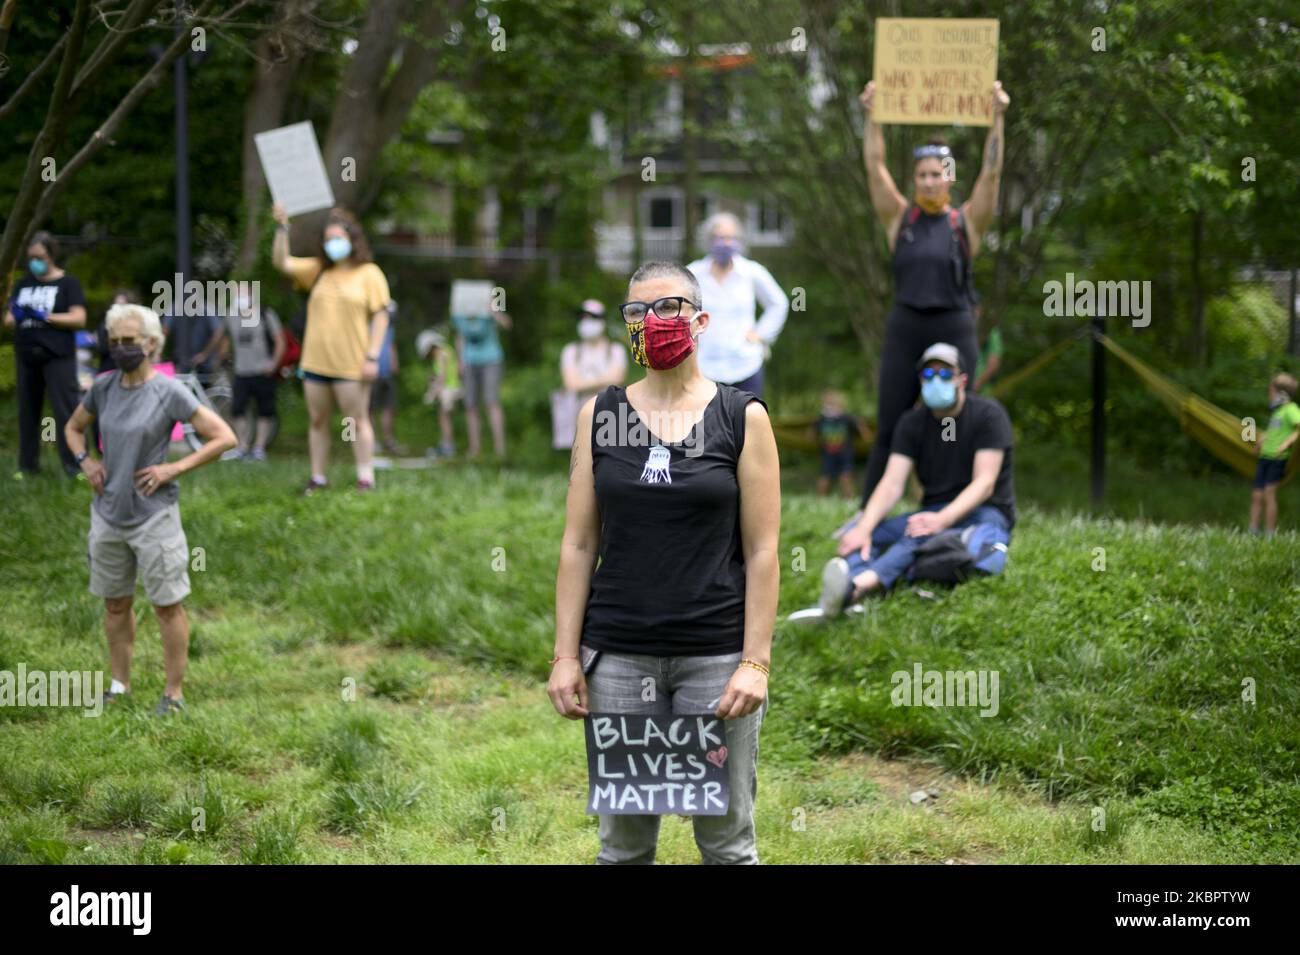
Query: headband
(931, 150)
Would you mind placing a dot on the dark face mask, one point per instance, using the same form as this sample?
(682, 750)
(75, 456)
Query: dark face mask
(127, 357)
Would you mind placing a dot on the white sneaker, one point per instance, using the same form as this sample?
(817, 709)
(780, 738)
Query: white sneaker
(836, 585)
(234, 454)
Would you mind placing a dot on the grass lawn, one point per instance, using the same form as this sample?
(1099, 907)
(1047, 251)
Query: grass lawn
(1120, 690)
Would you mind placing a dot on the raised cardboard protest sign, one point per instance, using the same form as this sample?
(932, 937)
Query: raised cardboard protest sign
(656, 765)
(935, 72)
(471, 298)
(294, 169)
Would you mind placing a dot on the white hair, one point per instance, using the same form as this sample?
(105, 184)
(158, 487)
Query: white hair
(150, 326)
(712, 222)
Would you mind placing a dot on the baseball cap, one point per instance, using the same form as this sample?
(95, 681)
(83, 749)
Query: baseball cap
(941, 351)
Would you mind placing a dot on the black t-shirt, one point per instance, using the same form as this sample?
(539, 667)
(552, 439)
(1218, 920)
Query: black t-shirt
(944, 468)
(931, 268)
(835, 432)
(55, 296)
(671, 576)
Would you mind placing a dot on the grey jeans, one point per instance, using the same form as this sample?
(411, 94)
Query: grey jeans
(640, 684)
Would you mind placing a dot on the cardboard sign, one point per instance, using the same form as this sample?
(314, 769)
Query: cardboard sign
(656, 765)
(294, 168)
(935, 72)
(471, 299)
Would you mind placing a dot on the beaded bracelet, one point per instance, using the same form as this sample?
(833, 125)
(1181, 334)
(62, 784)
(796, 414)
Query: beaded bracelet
(757, 666)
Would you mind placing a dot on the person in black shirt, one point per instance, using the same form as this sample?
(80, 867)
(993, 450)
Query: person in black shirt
(932, 245)
(835, 430)
(674, 486)
(46, 308)
(960, 445)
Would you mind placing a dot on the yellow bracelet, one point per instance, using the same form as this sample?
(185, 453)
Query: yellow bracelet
(757, 666)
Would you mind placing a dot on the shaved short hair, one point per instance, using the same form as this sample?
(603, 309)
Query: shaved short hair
(669, 270)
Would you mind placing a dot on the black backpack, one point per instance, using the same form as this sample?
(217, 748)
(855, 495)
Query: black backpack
(943, 559)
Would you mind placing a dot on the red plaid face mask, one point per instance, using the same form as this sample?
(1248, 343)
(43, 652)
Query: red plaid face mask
(667, 341)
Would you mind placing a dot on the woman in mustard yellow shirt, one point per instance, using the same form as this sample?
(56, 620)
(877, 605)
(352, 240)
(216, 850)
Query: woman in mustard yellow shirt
(347, 316)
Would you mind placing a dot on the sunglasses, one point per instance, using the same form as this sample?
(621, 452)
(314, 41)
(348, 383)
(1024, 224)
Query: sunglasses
(944, 374)
(126, 340)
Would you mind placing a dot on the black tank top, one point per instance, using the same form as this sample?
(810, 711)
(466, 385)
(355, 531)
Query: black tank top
(671, 576)
(931, 267)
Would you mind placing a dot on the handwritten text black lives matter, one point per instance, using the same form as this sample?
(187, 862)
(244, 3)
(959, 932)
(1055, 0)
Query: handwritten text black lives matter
(654, 765)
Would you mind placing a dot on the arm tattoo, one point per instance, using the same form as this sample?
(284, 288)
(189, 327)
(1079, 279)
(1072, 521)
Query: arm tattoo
(993, 149)
(573, 461)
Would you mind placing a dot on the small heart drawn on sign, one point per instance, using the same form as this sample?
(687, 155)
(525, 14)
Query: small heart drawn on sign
(717, 756)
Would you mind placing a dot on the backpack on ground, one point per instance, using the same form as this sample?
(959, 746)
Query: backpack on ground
(955, 556)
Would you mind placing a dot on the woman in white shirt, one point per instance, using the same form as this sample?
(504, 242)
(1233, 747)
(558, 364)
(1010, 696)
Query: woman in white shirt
(589, 366)
(736, 346)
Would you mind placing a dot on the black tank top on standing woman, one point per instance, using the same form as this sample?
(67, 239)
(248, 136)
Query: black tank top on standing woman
(671, 576)
(931, 266)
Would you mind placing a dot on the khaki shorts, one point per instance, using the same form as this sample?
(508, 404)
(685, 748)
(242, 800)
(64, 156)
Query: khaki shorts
(156, 550)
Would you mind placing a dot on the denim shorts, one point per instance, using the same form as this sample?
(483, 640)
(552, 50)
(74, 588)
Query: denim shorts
(680, 684)
(1269, 471)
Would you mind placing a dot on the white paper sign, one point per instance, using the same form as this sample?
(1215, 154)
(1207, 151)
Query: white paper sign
(471, 298)
(294, 168)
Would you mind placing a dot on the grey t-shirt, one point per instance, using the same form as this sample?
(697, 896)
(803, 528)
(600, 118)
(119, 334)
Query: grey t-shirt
(253, 344)
(135, 425)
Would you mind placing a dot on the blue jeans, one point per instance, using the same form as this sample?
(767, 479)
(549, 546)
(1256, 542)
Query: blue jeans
(680, 685)
(892, 551)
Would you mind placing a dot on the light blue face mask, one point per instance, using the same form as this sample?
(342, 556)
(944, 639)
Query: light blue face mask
(338, 249)
(939, 394)
(38, 267)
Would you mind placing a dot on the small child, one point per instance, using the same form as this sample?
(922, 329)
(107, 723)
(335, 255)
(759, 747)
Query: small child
(1274, 448)
(834, 431)
(444, 385)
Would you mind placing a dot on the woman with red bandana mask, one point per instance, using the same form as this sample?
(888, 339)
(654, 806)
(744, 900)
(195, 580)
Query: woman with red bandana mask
(932, 245)
(674, 484)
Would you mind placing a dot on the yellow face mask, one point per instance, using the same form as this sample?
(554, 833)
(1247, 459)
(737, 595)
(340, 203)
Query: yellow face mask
(636, 336)
(933, 206)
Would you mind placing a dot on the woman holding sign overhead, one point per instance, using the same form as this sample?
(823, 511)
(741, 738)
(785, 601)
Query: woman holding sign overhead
(674, 485)
(347, 318)
(932, 245)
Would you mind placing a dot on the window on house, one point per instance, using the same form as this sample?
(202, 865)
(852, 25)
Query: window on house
(663, 213)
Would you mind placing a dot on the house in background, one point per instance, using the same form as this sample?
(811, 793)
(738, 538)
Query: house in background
(657, 171)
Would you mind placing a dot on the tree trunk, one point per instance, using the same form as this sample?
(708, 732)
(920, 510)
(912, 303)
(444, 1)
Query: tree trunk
(1199, 338)
(279, 55)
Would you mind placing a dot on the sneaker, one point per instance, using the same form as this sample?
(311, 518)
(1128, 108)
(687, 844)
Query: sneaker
(258, 456)
(234, 454)
(836, 587)
(166, 706)
(313, 486)
(111, 697)
(365, 485)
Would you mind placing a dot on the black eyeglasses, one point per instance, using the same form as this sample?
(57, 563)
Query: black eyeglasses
(944, 373)
(668, 307)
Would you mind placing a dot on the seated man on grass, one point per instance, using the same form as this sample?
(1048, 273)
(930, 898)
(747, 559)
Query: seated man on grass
(960, 445)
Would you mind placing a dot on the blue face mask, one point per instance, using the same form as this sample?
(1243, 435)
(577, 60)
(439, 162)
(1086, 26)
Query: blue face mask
(939, 394)
(338, 249)
(37, 267)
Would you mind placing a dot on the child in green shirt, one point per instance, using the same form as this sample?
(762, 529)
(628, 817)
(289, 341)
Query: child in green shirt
(444, 385)
(1274, 448)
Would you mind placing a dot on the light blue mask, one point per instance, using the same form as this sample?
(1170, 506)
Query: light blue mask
(338, 249)
(939, 394)
(38, 267)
